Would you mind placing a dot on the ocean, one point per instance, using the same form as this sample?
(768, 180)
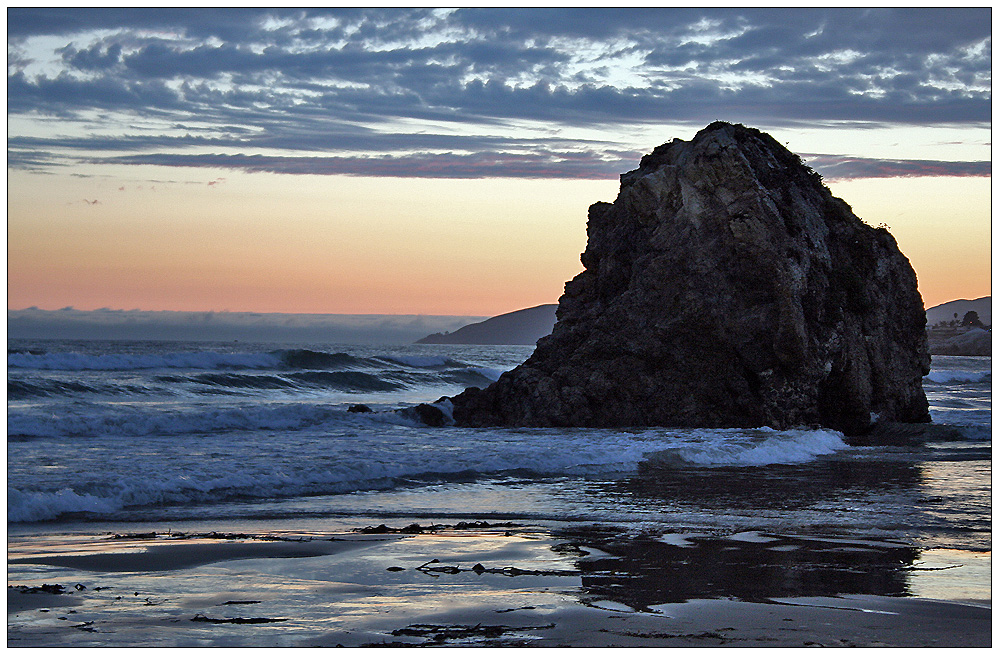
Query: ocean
(112, 436)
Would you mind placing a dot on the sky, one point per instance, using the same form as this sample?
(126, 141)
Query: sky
(441, 162)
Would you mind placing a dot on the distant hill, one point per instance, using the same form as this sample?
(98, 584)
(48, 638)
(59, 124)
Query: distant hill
(947, 311)
(530, 325)
(520, 327)
(945, 336)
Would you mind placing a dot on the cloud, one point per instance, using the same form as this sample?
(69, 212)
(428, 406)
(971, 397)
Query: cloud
(398, 155)
(580, 166)
(66, 96)
(586, 166)
(356, 86)
(222, 23)
(841, 167)
(301, 137)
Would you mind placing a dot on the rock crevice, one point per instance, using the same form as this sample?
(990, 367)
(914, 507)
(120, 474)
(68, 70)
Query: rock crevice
(725, 287)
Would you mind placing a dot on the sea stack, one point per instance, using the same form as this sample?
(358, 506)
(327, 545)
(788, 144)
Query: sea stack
(725, 287)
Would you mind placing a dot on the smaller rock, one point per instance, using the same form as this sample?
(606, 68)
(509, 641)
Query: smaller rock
(359, 407)
(427, 414)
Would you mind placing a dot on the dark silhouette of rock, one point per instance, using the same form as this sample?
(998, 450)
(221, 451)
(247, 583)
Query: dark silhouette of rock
(521, 327)
(359, 407)
(425, 414)
(725, 287)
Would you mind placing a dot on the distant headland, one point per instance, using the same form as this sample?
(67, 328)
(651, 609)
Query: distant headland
(945, 330)
(519, 327)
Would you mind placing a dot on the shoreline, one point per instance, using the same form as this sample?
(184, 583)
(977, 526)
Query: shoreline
(481, 585)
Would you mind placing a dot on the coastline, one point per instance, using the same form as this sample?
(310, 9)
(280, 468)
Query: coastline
(477, 584)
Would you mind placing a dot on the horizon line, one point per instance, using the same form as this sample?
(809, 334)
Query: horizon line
(70, 308)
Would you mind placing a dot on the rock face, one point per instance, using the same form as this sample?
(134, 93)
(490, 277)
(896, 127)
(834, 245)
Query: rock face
(725, 287)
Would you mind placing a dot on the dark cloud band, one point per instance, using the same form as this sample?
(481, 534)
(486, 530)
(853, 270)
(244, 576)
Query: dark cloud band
(834, 167)
(330, 90)
(582, 166)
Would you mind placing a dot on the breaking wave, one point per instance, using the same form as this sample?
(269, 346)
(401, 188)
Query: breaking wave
(281, 359)
(404, 455)
(138, 421)
(21, 389)
(958, 376)
(39, 374)
(767, 448)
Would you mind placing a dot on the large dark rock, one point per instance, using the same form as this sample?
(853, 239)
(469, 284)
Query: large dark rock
(725, 287)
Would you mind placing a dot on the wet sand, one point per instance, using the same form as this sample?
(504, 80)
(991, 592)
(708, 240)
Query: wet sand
(483, 586)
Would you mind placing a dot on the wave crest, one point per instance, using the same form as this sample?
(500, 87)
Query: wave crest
(768, 448)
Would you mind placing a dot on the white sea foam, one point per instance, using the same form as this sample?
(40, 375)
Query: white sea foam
(681, 539)
(448, 408)
(752, 536)
(39, 506)
(767, 448)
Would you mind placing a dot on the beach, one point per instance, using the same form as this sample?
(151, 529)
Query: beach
(475, 586)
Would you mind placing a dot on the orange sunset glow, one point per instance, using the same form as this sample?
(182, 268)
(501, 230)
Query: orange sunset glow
(171, 202)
